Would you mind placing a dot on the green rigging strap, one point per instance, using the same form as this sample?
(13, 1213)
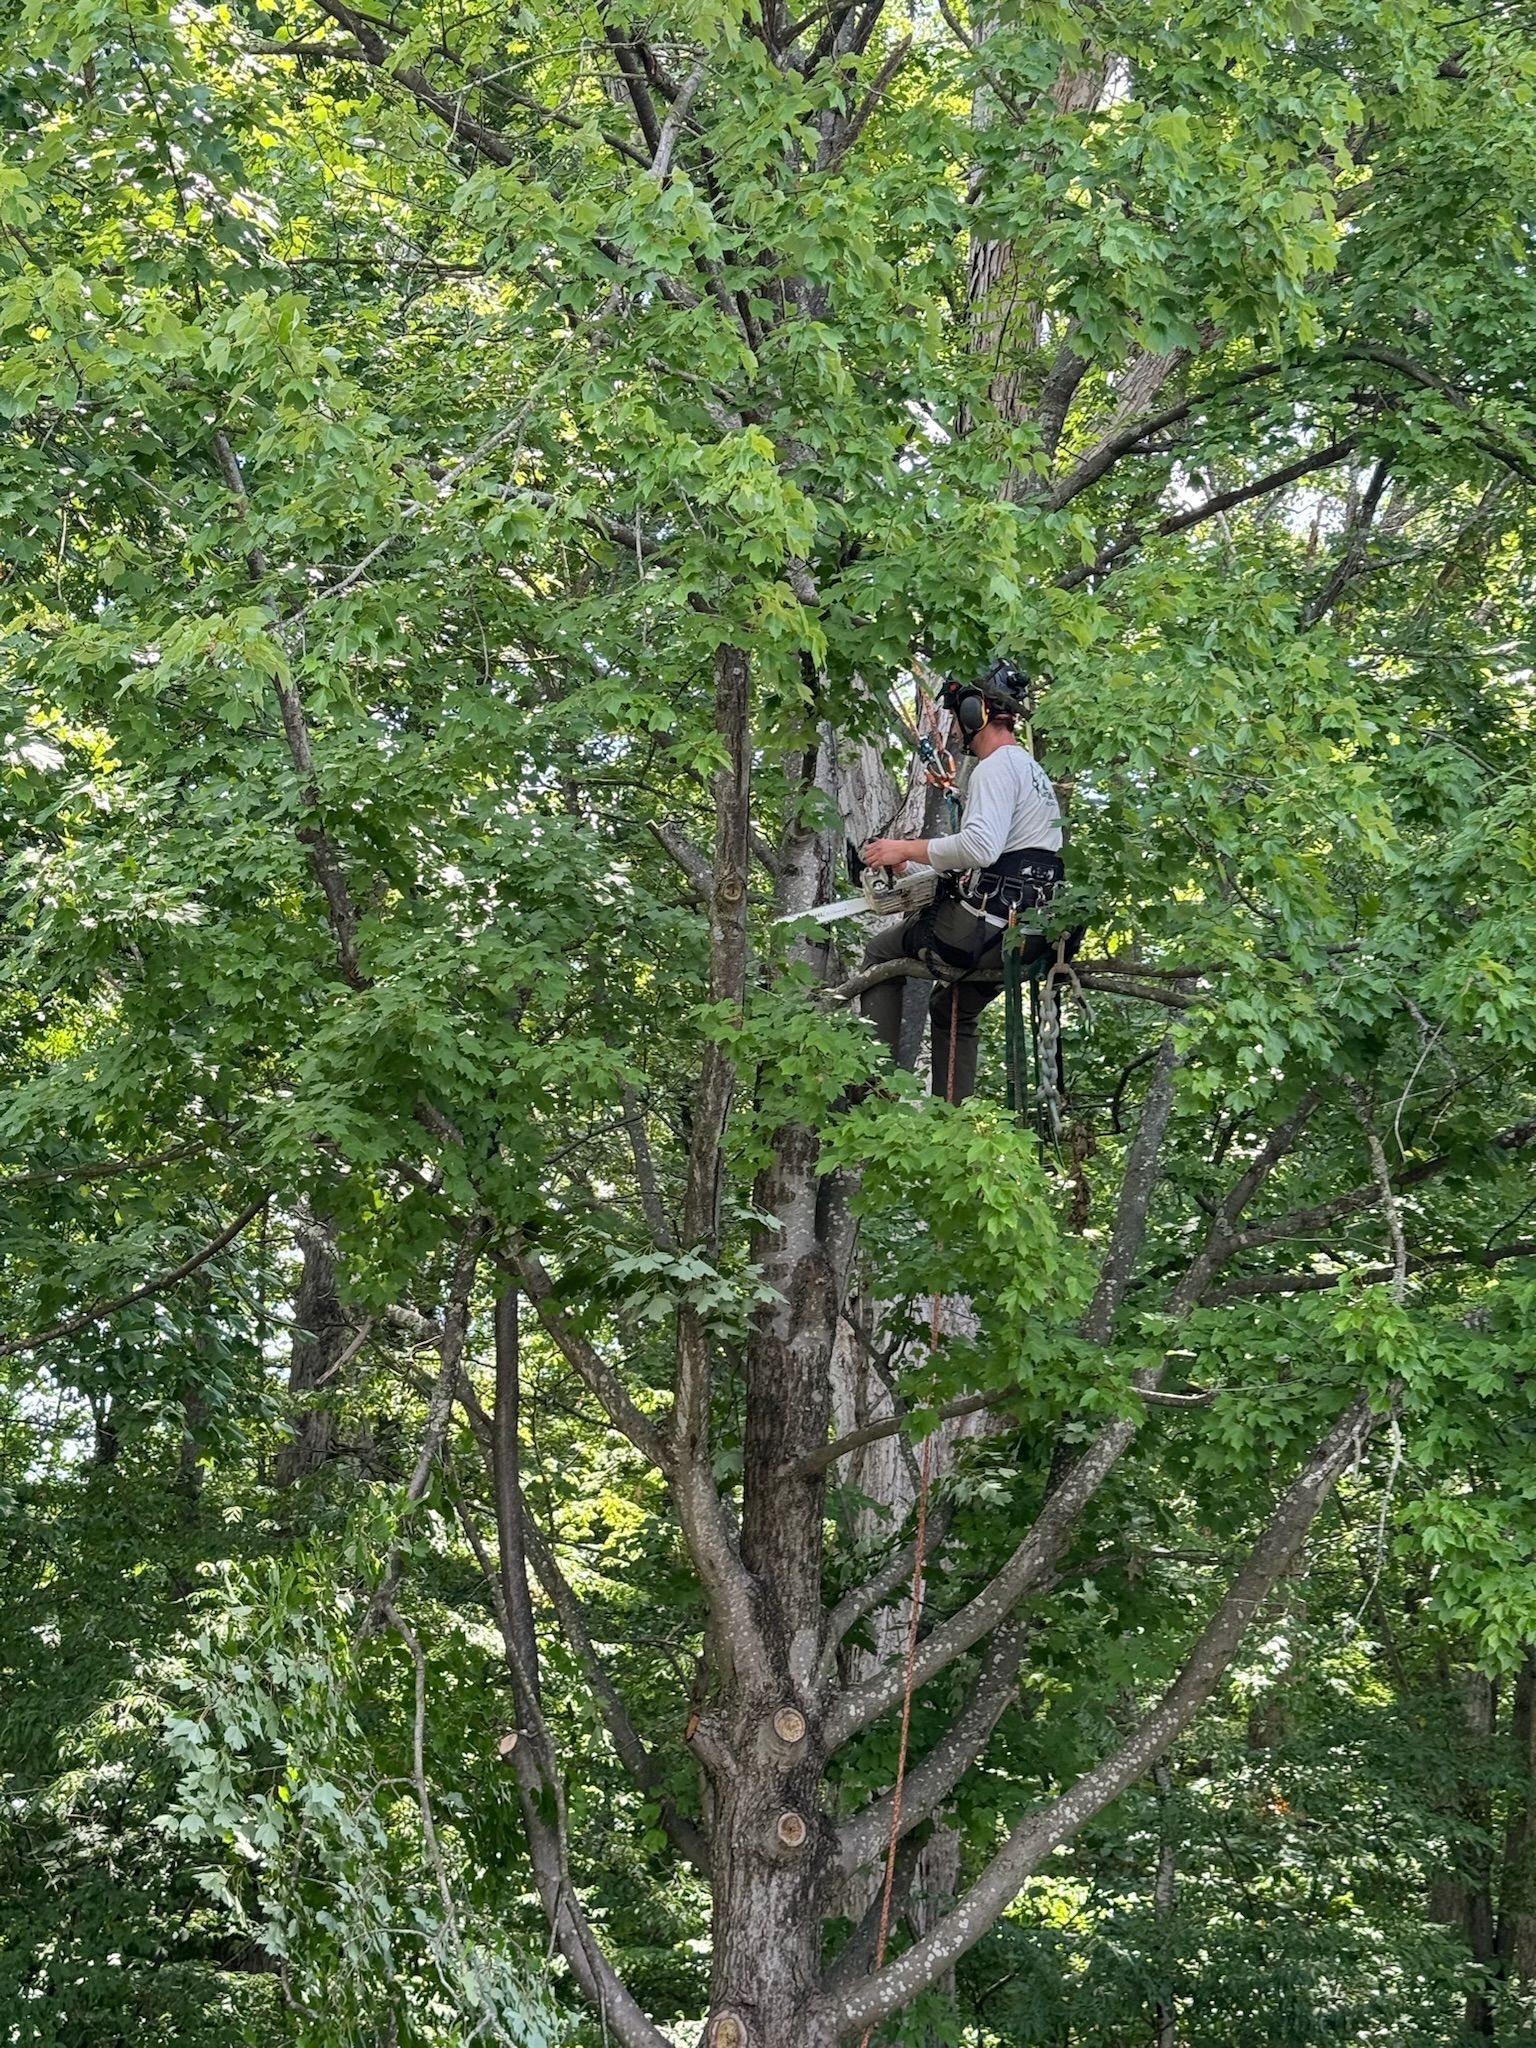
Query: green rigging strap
(1013, 1019)
(1030, 1098)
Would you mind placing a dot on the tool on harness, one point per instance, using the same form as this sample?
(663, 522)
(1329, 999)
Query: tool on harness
(939, 766)
(1025, 879)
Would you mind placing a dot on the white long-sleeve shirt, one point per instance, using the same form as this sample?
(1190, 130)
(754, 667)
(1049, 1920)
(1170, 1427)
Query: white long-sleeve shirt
(1010, 803)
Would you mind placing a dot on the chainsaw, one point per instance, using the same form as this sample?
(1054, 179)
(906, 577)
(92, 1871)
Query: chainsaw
(884, 894)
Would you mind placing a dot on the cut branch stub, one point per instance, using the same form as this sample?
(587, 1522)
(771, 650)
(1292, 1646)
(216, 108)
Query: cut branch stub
(727, 2030)
(792, 1829)
(508, 1742)
(789, 1726)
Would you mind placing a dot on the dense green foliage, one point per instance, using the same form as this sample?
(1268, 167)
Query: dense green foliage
(397, 432)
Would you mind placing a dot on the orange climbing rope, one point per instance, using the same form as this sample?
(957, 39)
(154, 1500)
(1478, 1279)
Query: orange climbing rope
(914, 1613)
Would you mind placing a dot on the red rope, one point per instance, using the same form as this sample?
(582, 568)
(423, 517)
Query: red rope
(949, 1085)
(914, 1613)
(906, 1696)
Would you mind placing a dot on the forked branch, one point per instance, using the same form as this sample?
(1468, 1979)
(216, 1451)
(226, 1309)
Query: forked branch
(894, 1987)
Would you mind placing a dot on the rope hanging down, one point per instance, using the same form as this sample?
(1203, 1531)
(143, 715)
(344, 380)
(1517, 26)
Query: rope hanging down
(914, 1612)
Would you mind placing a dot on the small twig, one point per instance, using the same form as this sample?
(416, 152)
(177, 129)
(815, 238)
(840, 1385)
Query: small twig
(1381, 1174)
(106, 1169)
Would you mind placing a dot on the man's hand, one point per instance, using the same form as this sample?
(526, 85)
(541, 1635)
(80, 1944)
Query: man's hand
(893, 853)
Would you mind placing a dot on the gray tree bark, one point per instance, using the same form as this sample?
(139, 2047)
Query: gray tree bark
(320, 1335)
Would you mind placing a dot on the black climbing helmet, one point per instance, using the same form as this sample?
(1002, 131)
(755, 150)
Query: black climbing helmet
(1002, 687)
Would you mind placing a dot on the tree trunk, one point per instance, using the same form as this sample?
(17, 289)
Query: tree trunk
(1163, 1883)
(1462, 1898)
(772, 1844)
(767, 1877)
(319, 1336)
(1516, 1940)
(1008, 319)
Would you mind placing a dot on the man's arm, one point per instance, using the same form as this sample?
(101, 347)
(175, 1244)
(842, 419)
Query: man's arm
(981, 838)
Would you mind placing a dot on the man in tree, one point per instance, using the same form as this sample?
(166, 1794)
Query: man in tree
(1005, 857)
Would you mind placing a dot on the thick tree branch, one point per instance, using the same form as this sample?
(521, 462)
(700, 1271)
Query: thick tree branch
(632, 71)
(1486, 1256)
(1136, 1189)
(891, 1425)
(1125, 440)
(1091, 974)
(411, 79)
(677, 113)
(1029, 1567)
(323, 857)
(1060, 388)
(848, 135)
(589, 1365)
(1224, 501)
(541, 1793)
(1034, 1837)
(651, 1204)
(104, 1169)
(856, 1958)
(693, 864)
(74, 1324)
(929, 1783)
